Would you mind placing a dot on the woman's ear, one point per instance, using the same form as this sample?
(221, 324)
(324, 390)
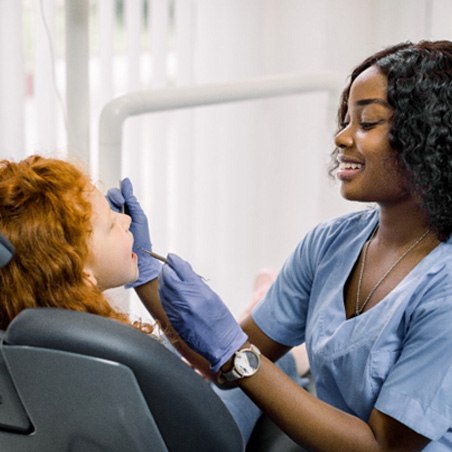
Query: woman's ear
(89, 277)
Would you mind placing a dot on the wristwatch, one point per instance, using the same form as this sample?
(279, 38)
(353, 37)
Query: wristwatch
(246, 363)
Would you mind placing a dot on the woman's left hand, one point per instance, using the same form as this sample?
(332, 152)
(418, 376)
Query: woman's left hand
(124, 199)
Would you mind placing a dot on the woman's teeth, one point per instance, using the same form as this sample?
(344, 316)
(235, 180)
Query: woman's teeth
(349, 165)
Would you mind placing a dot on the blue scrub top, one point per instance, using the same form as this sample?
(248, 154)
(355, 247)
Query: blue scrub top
(396, 357)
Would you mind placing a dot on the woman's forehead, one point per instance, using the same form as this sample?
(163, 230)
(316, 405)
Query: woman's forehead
(370, 84)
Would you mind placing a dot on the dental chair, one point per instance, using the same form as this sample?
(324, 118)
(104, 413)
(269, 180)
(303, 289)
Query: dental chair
(78, 382)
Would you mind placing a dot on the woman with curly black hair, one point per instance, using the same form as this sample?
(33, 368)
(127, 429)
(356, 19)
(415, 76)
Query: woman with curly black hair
(370, 293)
(419, 92)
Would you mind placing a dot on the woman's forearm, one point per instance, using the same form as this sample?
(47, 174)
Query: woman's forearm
(148, 294)
(311, 422)
(307, 420)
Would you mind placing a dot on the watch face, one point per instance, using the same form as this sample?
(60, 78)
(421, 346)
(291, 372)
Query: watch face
(246, 363)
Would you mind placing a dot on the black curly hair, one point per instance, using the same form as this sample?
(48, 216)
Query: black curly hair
(419, 79)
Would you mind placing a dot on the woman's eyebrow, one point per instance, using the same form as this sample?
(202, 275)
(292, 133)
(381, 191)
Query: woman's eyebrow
(364, 102)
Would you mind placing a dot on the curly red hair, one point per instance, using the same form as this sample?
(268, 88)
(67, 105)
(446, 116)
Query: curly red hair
(45, 213)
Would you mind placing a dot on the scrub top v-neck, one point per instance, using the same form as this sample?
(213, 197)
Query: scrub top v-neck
(395, 356)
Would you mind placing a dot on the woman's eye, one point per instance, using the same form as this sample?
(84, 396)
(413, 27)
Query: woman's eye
(368, 125)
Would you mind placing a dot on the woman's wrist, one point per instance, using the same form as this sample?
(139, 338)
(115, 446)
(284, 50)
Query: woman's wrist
(229, 364)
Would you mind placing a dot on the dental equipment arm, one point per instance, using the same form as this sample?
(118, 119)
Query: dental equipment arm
(116, 111)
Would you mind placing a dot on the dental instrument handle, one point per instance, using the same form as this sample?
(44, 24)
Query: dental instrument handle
(156, 256)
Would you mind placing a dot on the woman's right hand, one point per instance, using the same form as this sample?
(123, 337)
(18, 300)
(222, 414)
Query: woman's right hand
(198, 314)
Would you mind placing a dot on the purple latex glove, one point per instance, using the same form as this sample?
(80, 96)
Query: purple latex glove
(148, 267)
(197, 313)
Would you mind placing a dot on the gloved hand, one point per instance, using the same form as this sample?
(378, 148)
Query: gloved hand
(148, 267)
(197, 313)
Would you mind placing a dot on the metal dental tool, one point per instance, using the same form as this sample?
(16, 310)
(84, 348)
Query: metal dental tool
(165, 260)
(155, 255)
(123, 207)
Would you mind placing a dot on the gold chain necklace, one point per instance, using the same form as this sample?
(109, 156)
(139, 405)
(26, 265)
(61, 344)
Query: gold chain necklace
(359, 309)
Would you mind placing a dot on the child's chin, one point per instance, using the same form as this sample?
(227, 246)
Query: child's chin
(134, 278)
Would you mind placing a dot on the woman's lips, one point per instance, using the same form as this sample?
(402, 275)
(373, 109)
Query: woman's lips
(348, 169)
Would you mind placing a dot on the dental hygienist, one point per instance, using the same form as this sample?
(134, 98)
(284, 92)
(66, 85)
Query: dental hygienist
(370, 292)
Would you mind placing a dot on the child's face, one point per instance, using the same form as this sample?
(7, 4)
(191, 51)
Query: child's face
(112, 263)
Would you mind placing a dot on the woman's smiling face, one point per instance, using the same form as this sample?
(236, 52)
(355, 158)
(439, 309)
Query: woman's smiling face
(368, 168)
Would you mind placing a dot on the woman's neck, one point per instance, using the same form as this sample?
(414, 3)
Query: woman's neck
(401, 223)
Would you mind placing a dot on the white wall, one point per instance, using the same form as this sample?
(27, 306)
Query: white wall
(231, 188)
(252, 177)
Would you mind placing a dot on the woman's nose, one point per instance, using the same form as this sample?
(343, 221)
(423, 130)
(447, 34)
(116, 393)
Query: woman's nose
(343, 138)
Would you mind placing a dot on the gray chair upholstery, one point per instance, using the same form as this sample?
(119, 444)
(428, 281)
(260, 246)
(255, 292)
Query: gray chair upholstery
(78, 382)
(268, 437)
